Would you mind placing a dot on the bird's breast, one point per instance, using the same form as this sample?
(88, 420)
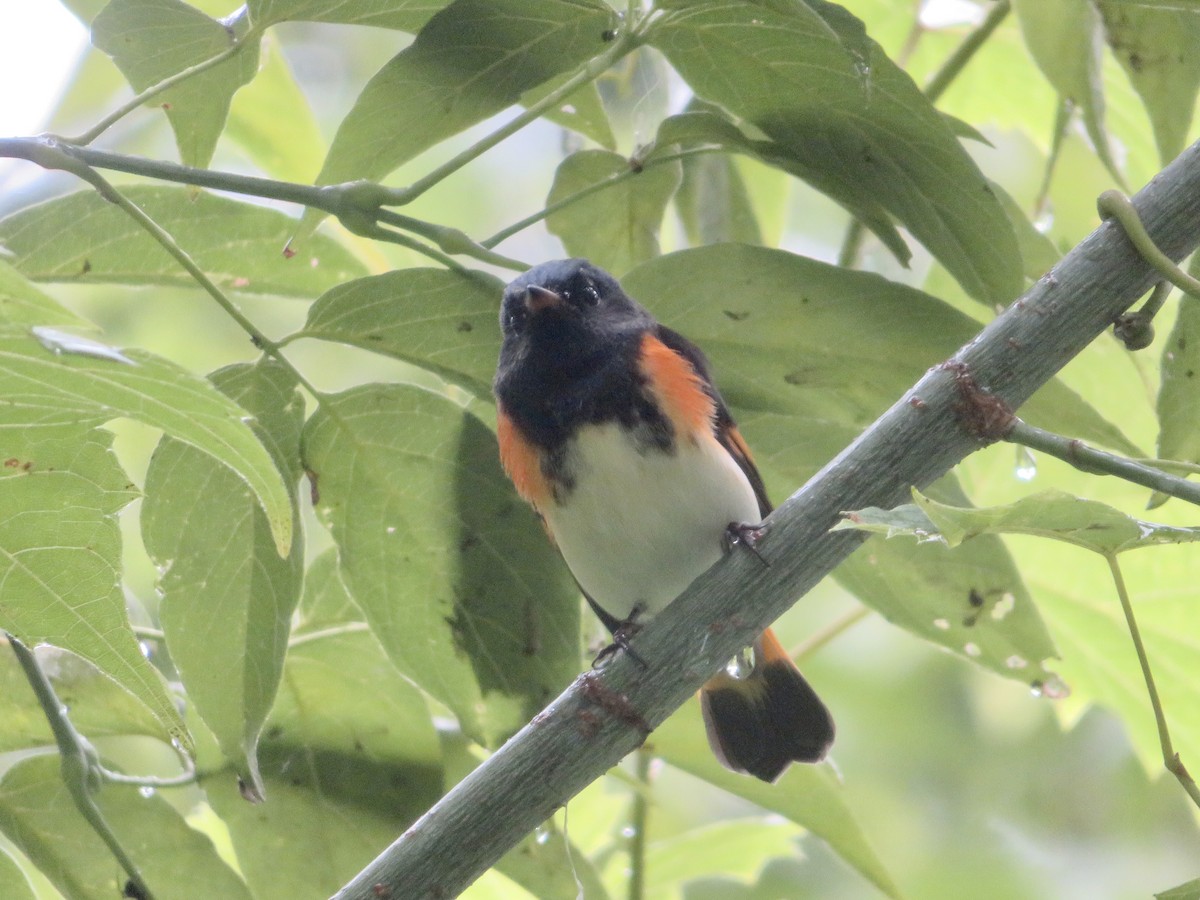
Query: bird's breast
(641, 521)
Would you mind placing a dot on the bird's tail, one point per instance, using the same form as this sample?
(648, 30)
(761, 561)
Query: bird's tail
(761, 722)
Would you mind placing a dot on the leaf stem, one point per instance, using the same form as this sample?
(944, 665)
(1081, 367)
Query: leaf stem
(1097, 462)
(1062, 121)
(1171, 759)
(81, 769)
(834, 629)
(153, 781)
(333, 631)
(625, 42)
(637, 825)
(964, 52)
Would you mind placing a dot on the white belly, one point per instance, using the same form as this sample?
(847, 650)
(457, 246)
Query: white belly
(639, 527)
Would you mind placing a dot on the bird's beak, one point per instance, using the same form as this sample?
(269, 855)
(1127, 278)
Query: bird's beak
(538, 298)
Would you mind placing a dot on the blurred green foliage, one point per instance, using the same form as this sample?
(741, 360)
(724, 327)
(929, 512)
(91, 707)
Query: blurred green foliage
(153, 475)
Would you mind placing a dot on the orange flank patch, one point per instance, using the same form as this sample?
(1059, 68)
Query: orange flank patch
(522, 462)
(677, 388)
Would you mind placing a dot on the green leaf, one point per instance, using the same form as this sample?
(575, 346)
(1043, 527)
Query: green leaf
(1097, 655)
(1187, 891)
(705, 124)
(581, 111)
(1065, 39)
(1054, 514)
(471, 60)
(734, 849)
(810, 796)
(151, 40)
(1050, 514)
(219, 569)
(38, 815)
(971, 600)
(1156, 47)
(450, 569)
(84, 238)
(850, 122)
(99, 706)
(713, 202)
(403, 15)
(23, 304)
(809, 354)
(60, 555)
(440, 319)
(13, 883)
(1179, 392)
(615, 227)
(40, 387)
(350, 756)
(288, 147)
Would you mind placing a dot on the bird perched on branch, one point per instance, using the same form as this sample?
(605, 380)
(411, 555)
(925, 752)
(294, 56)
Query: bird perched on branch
(610, 425)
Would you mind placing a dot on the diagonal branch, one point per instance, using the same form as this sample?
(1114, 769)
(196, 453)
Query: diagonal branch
(603, 716)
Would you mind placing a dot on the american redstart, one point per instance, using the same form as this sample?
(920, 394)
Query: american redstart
(611, 427)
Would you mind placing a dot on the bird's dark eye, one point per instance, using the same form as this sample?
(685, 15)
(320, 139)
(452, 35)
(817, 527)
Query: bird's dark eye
(590, 294)
(514, 319)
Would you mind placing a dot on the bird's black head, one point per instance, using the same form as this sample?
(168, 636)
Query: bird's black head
(567, 306)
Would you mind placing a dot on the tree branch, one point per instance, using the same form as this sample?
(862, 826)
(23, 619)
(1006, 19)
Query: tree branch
(604, 715)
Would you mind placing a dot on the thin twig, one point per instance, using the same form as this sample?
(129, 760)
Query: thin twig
(167, 242)
(965, 52)
(357, 205)
(632, 172)
(834, 629)
(1063, 116)
(81, 769)
(155, 89)
(1097, 462)
(638, 822)
(625, 42)
(1171, 759)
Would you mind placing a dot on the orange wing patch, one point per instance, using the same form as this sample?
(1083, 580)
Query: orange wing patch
(522, 462)
(678, 389)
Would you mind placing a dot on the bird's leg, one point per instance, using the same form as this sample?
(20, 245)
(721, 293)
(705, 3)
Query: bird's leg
(622, 635)
(748, 536)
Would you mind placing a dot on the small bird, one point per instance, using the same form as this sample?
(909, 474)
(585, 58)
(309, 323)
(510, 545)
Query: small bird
(610, 425)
